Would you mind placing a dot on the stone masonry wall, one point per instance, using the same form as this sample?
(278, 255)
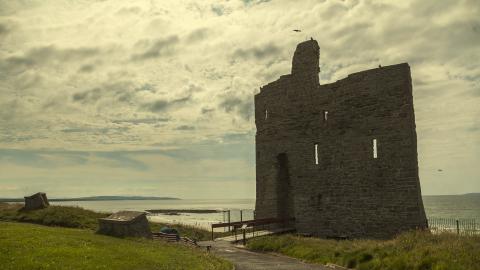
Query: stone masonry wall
(349, 192)
(139, 227)
(36, 201)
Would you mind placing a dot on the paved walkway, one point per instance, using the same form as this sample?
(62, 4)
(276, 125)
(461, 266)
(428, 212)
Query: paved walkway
(248, 260)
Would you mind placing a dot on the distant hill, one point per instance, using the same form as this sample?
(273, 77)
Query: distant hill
(98, 198)
(452, 195)
(472, 194)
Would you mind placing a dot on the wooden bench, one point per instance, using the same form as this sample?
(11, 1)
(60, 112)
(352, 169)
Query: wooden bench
(173, 238)
(169, 237)
(189, 241)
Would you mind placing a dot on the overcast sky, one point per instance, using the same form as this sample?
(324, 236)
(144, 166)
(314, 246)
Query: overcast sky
(156, 97)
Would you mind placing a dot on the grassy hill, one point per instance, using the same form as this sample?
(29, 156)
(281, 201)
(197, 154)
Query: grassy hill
(76, 217)
(30, 246)
(97, 198)
(62, 216)
(412, 250)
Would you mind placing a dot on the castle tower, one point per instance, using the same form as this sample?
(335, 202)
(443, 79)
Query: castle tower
(340, 158)
(305, 64)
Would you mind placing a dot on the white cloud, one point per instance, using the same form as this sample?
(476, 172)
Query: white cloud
(122, 75)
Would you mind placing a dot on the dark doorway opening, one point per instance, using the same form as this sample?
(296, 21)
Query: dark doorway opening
(284, 188)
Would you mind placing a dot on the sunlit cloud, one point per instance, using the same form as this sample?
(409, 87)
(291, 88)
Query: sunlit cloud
(91, 87)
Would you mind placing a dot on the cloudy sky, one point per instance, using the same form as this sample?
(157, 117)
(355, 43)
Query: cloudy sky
(122, 97)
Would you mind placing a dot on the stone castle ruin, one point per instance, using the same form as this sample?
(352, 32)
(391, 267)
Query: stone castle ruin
(36, 201)
(342, 157)
(125, 224)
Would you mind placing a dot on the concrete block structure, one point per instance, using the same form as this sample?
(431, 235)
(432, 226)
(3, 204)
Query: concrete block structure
(36, 201)
(125, 224)
(341, 157)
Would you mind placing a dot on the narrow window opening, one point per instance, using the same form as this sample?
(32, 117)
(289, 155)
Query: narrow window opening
(325, 116)
(375, 148)
(316, 154)
(266, 114)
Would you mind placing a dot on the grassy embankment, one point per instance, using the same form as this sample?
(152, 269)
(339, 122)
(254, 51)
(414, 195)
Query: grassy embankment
(30, 246)
(412, 250)
(76, 217)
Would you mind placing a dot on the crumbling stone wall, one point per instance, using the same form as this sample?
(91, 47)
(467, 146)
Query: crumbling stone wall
(343, 190)
(125, 224)
(36, 201)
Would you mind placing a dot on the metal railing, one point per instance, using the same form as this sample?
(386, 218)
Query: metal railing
(453, 225)
(252, 225)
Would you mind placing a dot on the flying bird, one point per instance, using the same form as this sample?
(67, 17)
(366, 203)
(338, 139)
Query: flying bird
(440, 170)
(297, 30)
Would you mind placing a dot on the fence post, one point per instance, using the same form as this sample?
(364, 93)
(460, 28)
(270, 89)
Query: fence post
(458, 228)
(241, 215)
(223, 215)
(229, 220)
(244, 237)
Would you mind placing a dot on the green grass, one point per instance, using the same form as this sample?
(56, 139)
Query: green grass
(76, 217)
(63, 216)
(412, 250)
(29, 246)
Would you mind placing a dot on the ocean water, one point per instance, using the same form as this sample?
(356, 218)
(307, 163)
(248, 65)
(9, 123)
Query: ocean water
(141, 205)
(453, 206)
(204, 220)
(446, 206)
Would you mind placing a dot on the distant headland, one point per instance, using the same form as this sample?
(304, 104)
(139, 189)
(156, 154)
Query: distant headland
(474, 194)
(98, 198)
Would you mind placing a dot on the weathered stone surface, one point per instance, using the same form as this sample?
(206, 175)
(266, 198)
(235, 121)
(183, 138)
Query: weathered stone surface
(125, 223)
(349, 192)
(36, 201)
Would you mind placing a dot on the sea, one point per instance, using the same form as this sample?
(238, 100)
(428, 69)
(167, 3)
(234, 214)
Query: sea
(440, 207)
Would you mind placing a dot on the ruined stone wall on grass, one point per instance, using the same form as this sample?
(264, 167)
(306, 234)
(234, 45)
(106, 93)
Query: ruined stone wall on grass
(36, 201)
(125, 224)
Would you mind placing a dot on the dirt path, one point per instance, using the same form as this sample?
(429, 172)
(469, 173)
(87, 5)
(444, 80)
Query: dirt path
(248, 260)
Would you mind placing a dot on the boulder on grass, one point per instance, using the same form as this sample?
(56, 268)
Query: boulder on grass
(36, 201)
